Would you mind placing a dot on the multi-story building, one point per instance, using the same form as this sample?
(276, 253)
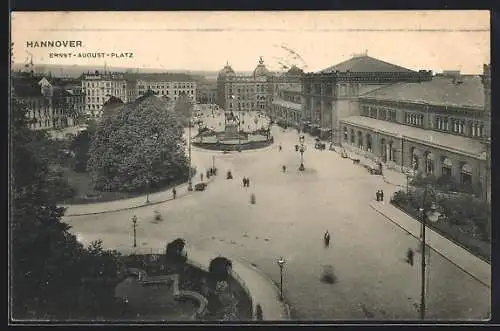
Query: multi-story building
(129, 86)
(438, 127)
(287, 97)
(332, 94)
(164, 84)
(245, 92)
(53, 103)
(99, 87)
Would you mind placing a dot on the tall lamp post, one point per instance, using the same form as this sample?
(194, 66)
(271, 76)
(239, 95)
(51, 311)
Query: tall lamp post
(423, 219)
(134, 225)
(281, 264)
(190, 184)
(302, 149)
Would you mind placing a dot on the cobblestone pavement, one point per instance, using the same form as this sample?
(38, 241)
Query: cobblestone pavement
(291, 213)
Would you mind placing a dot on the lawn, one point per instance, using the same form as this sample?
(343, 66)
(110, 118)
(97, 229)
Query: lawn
(84, 192)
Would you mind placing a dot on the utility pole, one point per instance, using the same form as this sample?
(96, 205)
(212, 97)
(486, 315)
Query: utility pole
(134, 221)
(190, 184)
(422, 289)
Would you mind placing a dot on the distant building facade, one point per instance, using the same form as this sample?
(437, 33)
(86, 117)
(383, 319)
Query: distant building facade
(287, 97)
(434, 128)
(52, 103)
(245, 92)
(99, 87)
(129, 86)
(332, 94)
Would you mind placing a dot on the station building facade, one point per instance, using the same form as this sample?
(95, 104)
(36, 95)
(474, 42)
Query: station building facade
(332, 94)
(439, 127)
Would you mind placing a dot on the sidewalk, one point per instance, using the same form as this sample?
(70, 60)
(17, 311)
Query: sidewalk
(465, 260)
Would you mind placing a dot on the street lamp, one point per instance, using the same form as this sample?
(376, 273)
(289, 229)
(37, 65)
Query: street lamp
(134, 224)
(302, 149)
(423, 219)
(281, 264)
(190, 184)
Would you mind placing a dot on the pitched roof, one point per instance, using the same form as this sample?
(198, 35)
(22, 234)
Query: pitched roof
(460, 144)
(365, 64)
(439, 91)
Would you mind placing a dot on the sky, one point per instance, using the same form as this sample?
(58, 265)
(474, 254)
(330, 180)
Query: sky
(418, 40)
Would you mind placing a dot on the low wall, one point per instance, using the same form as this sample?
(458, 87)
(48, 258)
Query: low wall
(234, 147)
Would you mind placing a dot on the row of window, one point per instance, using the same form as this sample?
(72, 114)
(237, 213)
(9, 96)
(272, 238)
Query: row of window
(385, 114)
(191, 92)
(102, 84)
(167, 86)
(248, 90)
(476, 129)
(414, 119)
(104, 92)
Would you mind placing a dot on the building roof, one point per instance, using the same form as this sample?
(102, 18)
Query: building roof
(226, 71)
(454, 143)
(365, 63)
(159, 77)
(261, 69)
(294, 71)
(443, 91)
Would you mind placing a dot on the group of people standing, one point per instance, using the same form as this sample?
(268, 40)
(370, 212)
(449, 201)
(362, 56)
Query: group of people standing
(380, 195)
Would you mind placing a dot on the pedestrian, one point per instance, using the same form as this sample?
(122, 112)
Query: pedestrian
(244, 182)
(409, 256)
(174, 192)
(279, 147)
(208, 174)
(377, 194)
(201, 176)
(326, 239)
(284, 168)
(381, 195)
(248, 182)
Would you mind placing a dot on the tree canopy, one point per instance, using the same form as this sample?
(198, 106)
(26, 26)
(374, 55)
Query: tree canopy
(183, 109)
(140, 145)
(46, 258)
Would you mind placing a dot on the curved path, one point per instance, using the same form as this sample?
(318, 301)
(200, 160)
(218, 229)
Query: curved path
(292, 212)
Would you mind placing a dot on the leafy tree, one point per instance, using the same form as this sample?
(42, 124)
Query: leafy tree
(183, 109)
(46, 258)
(80, 146)
(140, 145)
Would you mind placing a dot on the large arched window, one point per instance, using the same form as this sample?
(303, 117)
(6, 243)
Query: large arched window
(447, 165)
(368, 142)
(466, 174)
(352, 136)
(360, 140)
(345, 133)
(429, 163)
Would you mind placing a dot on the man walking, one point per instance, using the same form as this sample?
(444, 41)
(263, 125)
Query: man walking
(326, 239)
(409, 256)
(174, 192)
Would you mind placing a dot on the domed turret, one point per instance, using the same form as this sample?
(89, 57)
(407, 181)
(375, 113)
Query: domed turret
(295, 71)
(226, 72)
(261, 69)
